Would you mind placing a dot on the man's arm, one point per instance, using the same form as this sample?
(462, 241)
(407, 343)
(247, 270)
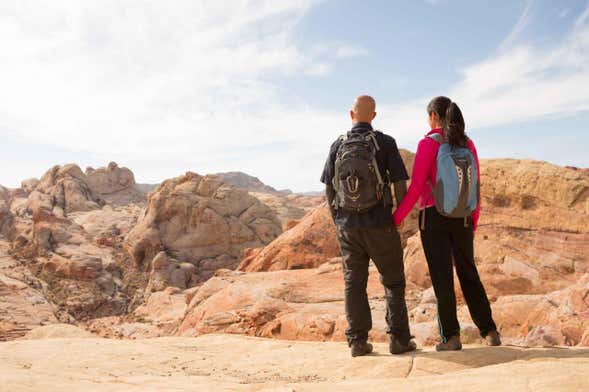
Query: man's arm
(327, 177)
(397, 171)
(400, 191)
(330, 194)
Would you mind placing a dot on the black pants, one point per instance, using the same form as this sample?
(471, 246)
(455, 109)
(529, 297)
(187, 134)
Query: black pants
(445, 239)
(383, 246)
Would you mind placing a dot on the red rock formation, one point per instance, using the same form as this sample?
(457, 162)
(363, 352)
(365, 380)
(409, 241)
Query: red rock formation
(308, 244)
(23, 305)
(115, 184)
(202, 221)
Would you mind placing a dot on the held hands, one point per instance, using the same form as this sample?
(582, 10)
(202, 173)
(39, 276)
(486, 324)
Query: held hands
(403, 238)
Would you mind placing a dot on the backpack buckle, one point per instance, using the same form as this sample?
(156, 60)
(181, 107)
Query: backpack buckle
(353, 184)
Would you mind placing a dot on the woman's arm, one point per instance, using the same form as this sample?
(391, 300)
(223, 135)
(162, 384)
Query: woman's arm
(424, 158)
(477, 213)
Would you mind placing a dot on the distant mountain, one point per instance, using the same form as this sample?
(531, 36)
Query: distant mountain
(146, 188)
(311, 193)
(246, 182)
(237, 179)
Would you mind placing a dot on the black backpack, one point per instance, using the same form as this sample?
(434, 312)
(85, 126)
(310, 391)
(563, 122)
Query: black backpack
(357, 182)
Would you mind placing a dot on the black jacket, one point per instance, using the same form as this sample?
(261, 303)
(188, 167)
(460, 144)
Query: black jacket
(392, 170)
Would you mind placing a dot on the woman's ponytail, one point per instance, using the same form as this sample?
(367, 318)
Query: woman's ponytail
(451, 118)
(454, 126)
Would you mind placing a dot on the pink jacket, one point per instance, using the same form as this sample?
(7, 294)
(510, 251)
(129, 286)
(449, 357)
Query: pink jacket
(425, 169)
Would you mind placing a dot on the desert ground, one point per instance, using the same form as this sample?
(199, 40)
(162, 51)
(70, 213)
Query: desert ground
(240, 363)
(221, 282)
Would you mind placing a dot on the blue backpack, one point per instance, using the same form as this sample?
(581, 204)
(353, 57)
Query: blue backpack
(457, 188)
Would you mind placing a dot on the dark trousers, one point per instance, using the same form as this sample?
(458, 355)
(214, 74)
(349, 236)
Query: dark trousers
(383, 246)
(445, 239)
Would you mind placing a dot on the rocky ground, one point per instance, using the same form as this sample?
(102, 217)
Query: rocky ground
(237, 363)
(76, 246)
(198, 256)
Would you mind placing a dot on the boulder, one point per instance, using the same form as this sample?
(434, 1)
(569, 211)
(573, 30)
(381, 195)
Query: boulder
(6, 216)
(29, 185)
(23, 304)
(166, 272)
(530, 194)
(202, 221)
(63, 189)
(59, 331)
(585, 338)
(164, 309)
(79, 268)
(544, 336)
(307, 245)
(115, 184)
(291, 207)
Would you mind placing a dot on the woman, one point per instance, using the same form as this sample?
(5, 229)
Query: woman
(444, 238)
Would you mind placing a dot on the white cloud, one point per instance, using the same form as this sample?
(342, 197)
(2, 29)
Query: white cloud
(138, 80)
(520, 25)
(517, 84)
(168, 87)
(346, 51)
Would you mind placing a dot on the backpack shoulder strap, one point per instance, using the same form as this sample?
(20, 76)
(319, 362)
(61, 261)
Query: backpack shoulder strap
(334, 182)
(372, 135)
(437, 137)
(341, 139)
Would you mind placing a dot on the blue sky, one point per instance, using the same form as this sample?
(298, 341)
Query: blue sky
(264, 86)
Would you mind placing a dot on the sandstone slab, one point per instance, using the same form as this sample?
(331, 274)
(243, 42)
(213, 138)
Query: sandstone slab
(224, 362)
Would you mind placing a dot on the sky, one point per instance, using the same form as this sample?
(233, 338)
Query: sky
(265, 86)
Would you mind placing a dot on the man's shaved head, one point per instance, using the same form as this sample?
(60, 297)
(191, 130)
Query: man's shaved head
(363, 109)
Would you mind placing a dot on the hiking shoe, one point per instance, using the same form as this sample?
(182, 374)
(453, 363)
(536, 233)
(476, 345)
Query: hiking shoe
(453, 344)
(397, 347)
(493, 339)
(361, 348)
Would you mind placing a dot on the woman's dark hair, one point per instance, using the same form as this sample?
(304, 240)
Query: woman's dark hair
(451, 118)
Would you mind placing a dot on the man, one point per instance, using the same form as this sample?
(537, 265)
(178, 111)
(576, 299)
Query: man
(361, 167)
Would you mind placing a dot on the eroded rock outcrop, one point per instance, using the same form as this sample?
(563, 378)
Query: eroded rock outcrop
(29, 185)
(299, 305)
(202, 221)
(307, 245)
(166, 272)
(23, 305)
(308, 305)
(115, 184)
(83, 269)
(513, 261)
(246, 182)
(6, 217)
(534, 195)
(63, 189)
(291, 208)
